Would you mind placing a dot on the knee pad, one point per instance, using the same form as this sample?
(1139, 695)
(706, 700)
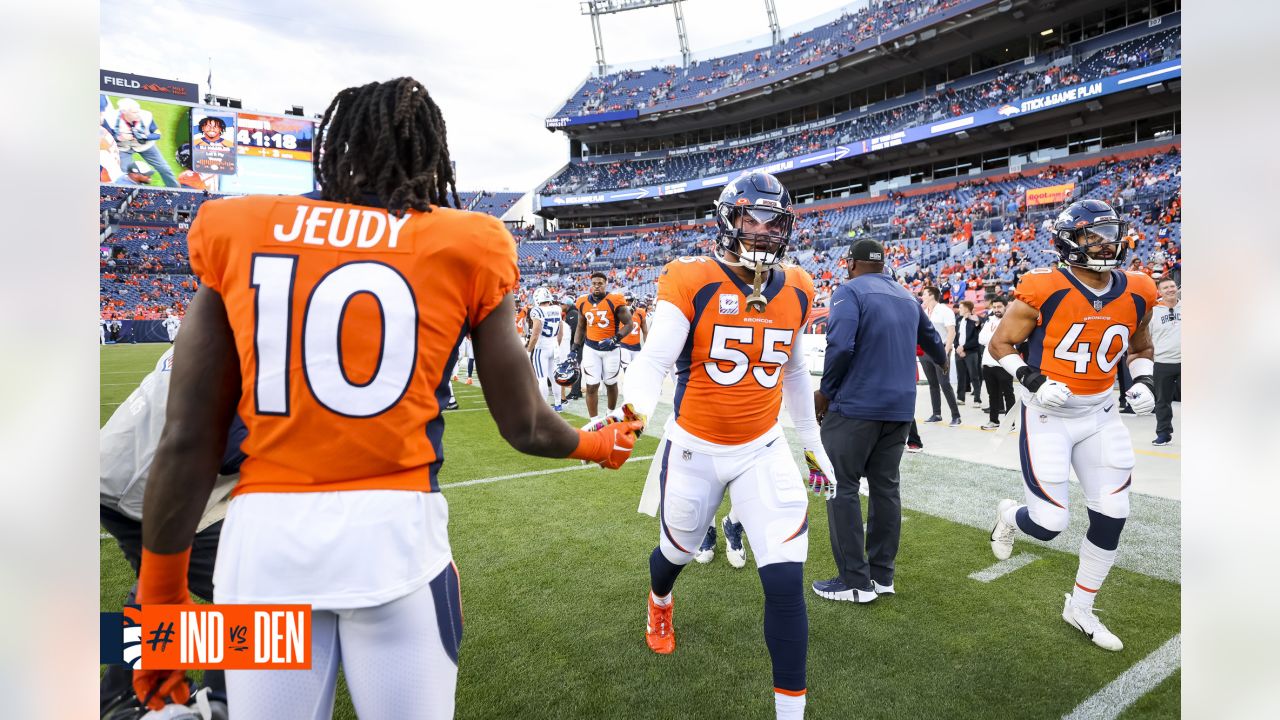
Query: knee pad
(1104, 531)
(1042, 522)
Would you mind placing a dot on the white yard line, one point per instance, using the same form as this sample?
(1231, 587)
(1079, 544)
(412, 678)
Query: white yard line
(532, 473)
(1004, 567)
(1132, 684)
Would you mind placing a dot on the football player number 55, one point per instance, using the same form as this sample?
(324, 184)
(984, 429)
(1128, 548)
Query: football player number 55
(720, 352)
(322, 362)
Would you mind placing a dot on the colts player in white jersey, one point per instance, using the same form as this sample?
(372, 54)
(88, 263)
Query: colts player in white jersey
(544, 343)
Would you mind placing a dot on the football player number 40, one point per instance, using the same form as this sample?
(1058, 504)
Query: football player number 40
(322, 362)
(1080, 354)
(769, 353)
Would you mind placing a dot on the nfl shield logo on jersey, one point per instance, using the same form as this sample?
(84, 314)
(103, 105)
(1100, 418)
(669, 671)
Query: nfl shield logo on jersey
(1097, 304)
(728, 304)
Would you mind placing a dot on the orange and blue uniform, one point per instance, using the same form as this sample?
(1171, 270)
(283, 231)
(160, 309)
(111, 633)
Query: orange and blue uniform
(347, 321)
(1080, 337)
(728, 379)
(601, 317)
(632, 340)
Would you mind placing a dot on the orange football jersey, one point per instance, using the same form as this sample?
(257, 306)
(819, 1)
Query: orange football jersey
(1080, 336)
(729, 378)
(347, 321)
(601, 317)
(632, 340)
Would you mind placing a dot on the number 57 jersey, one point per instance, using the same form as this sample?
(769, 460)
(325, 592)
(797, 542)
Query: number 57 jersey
(1081, 335)
(347, 321)
(729, 374)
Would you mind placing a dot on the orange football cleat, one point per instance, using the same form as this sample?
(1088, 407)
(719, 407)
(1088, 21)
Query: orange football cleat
(658, 633)
(469, 381)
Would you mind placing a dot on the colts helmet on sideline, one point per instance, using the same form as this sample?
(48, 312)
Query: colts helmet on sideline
(567, 373)
(766, 200)
(1086, 228)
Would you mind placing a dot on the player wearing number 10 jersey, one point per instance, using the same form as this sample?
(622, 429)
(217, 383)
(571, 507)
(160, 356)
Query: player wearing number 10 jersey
(734, 361)
(1077, 323)
(333, 321)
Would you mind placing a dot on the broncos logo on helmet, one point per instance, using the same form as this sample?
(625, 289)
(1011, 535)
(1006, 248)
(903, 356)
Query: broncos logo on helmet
(567, 373)
(755, 221)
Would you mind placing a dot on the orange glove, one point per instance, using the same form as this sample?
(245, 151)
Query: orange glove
(610, 446)
(162, 581)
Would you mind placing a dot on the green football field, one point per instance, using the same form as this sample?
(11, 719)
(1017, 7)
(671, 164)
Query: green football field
(554, 570)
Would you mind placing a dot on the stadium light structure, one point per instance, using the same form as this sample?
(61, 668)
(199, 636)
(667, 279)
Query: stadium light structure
(596, 8)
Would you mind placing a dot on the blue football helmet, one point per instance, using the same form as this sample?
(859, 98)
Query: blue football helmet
(1087, 229)
(755, 207)
(567, 373)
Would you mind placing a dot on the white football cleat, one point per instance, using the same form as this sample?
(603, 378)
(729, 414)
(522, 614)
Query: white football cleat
(734, 550)
(1002, 534)
(1089, 624)
(707, 550)
(882, 589)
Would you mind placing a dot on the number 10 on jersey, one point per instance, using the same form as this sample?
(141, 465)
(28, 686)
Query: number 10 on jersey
(326, 376)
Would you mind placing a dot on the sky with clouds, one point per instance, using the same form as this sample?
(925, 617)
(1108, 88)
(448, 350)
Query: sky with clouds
(496, 68)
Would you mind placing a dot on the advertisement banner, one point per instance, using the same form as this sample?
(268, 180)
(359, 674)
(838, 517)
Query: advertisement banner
(1132, 79)
(110, 81)
(213, 149)
(1051, 194)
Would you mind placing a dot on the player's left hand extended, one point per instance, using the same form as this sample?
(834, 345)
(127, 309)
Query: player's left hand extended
(157, 688)
(1141, 399)
(822, 477)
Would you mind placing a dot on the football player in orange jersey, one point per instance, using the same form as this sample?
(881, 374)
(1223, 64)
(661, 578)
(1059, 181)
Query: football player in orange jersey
(332, 321)
(604, 319)
(1077, 323)
(731, 327)
(634, 341)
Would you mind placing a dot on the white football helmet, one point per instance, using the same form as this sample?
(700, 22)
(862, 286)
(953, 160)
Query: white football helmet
(542, 295)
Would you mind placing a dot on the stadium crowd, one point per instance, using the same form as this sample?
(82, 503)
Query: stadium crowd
(972, 240)
(671, 86)
(957, 98)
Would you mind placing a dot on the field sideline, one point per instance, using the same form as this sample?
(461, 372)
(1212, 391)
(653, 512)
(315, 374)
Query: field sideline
(554, 571)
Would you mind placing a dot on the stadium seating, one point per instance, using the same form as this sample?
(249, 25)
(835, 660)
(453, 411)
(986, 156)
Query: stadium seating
(967, 95)
(666, 87)
(976, 233)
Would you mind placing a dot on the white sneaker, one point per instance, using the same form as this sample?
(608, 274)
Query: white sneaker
(882, 589)
(1089, 624)
(1002, 534)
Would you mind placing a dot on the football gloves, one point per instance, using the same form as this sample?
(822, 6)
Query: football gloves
(820, 482)
(607, 344)
(625, 413)
(1142, 398)
(162, 580)
(1048, 393)
(610, 446)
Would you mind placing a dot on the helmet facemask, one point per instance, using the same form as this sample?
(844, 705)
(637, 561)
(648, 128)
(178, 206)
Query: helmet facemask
(755, 237)
(1098, 247)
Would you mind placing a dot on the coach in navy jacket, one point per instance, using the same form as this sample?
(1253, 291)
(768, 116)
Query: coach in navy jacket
(866, 401)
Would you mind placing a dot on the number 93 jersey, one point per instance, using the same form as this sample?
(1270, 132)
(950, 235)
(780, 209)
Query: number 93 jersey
(1080, 335)
(347, 320)
(729, 375)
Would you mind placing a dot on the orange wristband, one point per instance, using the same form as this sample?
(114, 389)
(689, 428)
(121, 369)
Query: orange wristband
(162, 579)
(593, 446)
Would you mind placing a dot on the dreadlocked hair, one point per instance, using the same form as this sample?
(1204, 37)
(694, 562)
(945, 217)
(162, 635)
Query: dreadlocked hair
(387, 139)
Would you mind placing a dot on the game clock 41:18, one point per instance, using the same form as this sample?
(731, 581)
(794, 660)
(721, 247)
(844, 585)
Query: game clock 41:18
(258, 138)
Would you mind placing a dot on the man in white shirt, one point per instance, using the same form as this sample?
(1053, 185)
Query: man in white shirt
(944, 321)
(1166, 335)
(999, 383)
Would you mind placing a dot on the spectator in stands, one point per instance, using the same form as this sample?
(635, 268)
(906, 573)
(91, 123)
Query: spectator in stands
(938, 374)
(1166, 335)
(968, 355)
